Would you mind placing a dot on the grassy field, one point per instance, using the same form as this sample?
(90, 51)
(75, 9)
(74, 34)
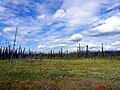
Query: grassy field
(83, 74)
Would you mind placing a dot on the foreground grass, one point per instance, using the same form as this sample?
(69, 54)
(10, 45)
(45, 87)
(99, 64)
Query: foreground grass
(60, 75)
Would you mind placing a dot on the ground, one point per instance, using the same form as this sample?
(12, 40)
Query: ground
(87, 74)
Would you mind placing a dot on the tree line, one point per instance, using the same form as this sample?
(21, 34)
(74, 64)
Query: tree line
(9, 52)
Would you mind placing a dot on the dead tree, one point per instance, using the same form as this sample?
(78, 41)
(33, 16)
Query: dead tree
(40, 56)
(20, 52)
(79, 51)
(61, 53)
(87, 51)
(51, 54)
(102, 51)
(13, 50)
(67, 53)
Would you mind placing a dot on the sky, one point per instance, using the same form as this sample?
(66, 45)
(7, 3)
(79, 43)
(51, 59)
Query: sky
(46, 25)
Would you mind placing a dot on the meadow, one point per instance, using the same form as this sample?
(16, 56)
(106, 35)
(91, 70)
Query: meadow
(79, 74)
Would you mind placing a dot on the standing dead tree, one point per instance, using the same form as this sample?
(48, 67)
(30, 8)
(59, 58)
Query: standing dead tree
(87, 51)
(102, 51)
(20, 52)
(78, 51)
(13, 50)
(61, 53)
(51, 54)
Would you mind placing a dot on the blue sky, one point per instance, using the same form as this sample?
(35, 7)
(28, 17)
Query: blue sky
(51, 24)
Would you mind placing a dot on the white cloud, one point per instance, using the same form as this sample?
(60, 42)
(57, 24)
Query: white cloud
(41, 16)
(111, 24)
(116, 43)
(12, 30)
(57, 40)
(113, 12)
(61, 41)
(62, 45)
(60, 13)
(58, 25)
(58, 46)
(9, 30)
(114, 6)
(77, 13)
(41, 46)
(2, 9)
(80, 12)
(72, 49)
(76, 37)
(93, 46)
(118, 48)
(108, 47)
(13, 22)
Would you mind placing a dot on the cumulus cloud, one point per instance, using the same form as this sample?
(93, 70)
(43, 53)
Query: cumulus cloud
(41, 46)
(110, 26)
(76, 37)
(60, 13)
(80, 12)
(76, 14)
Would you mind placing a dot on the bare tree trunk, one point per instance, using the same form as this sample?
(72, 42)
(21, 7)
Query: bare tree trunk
(61, 54)
(87, 51)
(79, 51)
(67, 54)
(13, 50)
(20, 52)
(102, 51)
(51, 54)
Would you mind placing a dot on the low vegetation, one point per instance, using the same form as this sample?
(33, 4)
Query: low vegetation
(87, 74)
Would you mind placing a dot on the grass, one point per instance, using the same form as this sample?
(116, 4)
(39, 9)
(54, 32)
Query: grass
(85, 74)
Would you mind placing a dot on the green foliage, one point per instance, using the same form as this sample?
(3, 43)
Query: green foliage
(64, 75)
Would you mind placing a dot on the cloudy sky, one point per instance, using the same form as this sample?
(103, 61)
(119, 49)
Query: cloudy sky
(51, 24)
